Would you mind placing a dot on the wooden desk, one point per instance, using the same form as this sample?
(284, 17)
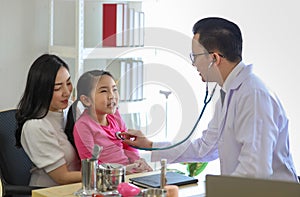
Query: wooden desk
(58, 191)
(68, 190)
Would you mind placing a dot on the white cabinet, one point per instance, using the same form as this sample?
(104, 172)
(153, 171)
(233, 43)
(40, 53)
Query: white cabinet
(78, 49)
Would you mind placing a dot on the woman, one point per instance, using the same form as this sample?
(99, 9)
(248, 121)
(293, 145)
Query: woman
(41, 122)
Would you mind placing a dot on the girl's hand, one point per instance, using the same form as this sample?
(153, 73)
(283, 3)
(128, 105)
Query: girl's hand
(139, 165)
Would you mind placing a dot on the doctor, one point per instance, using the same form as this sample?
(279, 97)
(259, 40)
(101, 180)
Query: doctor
(249, 131)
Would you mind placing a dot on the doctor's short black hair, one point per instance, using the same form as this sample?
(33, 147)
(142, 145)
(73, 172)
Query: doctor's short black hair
(222, 35)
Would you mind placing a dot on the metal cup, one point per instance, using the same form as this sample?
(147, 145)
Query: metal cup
(109, 176)
(89, 176)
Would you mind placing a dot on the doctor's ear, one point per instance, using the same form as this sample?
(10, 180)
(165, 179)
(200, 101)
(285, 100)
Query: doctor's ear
(214, 58)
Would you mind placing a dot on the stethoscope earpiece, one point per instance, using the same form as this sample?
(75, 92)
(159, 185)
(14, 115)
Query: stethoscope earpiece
(211, 63)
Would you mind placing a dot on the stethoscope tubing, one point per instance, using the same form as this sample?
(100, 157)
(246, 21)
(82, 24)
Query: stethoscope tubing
(206, 101)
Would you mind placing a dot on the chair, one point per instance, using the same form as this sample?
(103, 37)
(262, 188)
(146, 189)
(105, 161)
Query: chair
(14, 163)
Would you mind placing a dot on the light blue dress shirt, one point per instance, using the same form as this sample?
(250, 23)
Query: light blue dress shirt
(249, 134)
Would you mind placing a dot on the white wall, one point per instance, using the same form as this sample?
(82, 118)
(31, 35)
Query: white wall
(270, 28)
(23, 36)
(271, 38)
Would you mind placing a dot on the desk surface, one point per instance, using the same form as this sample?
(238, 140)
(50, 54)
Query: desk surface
(68, 190)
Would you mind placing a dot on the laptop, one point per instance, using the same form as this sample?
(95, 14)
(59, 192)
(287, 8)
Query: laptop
(220, 185)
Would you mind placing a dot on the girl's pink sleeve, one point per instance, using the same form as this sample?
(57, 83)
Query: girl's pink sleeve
(131, 153)
(83, 140)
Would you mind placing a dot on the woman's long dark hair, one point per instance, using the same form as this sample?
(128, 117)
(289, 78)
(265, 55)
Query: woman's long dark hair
(85, 85)
(36, 99)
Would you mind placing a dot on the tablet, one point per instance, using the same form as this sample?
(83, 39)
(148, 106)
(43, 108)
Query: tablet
(173, 178)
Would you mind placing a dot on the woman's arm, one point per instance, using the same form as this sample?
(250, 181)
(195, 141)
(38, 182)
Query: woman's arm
(62, 175)
(48, 151)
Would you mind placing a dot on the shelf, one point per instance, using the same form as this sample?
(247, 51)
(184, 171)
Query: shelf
(113, 1)
(79, 53)
(107, 53)
(92, 53)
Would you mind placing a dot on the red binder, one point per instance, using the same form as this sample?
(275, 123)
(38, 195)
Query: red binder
(113, 19)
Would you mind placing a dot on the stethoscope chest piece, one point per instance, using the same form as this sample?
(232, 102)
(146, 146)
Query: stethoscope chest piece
(119, 136)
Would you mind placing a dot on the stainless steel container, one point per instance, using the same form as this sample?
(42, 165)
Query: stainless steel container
(109, 176)
(89, 176)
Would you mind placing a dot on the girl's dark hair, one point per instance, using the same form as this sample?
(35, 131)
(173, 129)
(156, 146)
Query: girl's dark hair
(85, 85)
(36, 99)
(220, 34)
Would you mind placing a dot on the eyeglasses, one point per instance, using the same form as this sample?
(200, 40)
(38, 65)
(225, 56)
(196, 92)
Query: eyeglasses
(193, 56)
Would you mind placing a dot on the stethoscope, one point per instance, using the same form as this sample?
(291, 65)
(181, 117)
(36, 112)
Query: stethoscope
(206, 101)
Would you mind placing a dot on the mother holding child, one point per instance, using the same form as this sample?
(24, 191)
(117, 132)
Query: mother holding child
(41, 117)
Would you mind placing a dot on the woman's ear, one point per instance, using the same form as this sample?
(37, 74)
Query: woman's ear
(85, 100)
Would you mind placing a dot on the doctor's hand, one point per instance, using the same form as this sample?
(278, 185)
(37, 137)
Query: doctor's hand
(136, 138)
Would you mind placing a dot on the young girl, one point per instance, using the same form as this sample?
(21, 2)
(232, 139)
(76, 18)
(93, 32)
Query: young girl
(41, 119)
(100, 121)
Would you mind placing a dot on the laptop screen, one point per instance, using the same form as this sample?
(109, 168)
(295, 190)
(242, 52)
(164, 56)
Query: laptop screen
(219, 185)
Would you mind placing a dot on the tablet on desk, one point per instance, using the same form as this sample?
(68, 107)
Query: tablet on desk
(173, 178)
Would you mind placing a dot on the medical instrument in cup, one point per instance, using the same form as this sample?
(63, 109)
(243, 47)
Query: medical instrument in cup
(206, 101)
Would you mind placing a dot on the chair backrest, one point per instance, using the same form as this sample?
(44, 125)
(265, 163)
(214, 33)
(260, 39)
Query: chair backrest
(14, 163)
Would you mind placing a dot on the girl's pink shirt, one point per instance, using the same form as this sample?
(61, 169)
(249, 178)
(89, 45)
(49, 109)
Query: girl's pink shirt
(88, 132)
